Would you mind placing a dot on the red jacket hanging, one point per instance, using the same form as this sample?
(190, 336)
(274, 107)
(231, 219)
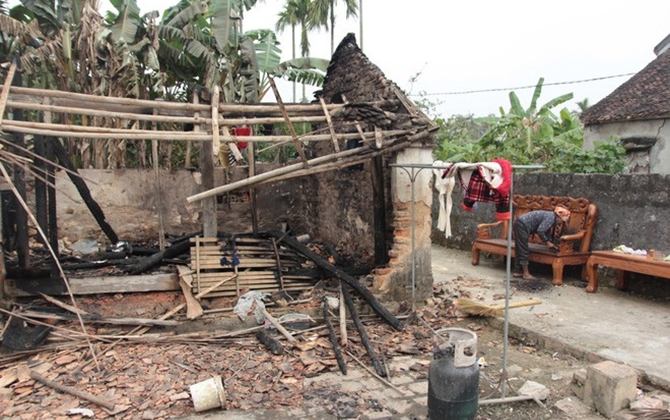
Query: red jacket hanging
(491, 182)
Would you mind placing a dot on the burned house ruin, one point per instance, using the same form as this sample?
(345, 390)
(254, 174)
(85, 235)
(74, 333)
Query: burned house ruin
(341, 191)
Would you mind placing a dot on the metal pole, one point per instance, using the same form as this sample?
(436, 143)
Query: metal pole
(412, 177)
(503, 390)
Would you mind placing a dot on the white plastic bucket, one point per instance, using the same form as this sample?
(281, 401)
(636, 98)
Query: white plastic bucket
(208, 394)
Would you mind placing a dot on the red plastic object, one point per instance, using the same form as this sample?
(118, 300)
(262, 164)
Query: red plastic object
(241, 131)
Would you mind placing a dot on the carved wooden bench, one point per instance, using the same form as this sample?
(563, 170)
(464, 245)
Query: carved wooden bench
(642, 264)
(574, 245)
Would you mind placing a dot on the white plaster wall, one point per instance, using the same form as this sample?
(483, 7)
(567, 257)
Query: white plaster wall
(128, 199)
(401, 180)
(659, 155)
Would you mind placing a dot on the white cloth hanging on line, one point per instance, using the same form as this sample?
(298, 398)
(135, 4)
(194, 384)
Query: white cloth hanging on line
(493, 177)
(444, 186)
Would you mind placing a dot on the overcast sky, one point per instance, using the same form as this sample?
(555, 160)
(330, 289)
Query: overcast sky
(464, 46)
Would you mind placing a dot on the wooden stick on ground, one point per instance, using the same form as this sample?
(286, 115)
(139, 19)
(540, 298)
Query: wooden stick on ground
(197, 296)
(363, 334)
(278, 326)
(373, 373)
(62, 388)
(333, 339)
(349, 280)
(63, 305)
(343, 319)
(142, 330)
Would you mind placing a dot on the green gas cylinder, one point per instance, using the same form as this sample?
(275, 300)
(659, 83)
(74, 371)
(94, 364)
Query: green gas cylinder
(453, 378)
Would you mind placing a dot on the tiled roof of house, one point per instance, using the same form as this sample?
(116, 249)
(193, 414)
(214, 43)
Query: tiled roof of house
(645, 95)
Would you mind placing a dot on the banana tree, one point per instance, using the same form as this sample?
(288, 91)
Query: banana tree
(305, 70)
(53, 42)
(527, 125)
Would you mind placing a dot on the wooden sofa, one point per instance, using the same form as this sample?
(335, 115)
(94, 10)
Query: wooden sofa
(574, 246)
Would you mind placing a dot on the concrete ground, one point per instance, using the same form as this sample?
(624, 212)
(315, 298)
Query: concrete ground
(607, 325)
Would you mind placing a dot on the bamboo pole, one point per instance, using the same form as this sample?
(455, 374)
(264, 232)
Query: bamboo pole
(77, 131)
(225, 107)
(343, 163)
(333, 136)
(333, 339)
(289, 124)
(5, 90)
(265, 176)
(159, 195)
(183, 119)
(155, 116)
(209, 152)
(344, 341)
(105, 99)
(251, 156)
(118, 134)
(287, 169)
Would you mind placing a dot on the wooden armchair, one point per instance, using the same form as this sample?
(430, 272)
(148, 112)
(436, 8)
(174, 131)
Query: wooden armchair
(574, 246)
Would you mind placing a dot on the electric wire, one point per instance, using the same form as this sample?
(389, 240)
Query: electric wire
(571, 82)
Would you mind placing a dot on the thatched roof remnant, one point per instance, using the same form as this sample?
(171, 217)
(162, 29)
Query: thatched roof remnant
(370, 97)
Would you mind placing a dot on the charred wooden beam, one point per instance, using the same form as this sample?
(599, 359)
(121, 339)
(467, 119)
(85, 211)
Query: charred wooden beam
(333, 339)
(40, 187)
(84, 192)
(154, 260)
(22, 247)
(87, 265)
(351, 281)
(269, 342)
(379, 205)
(379, 367)
(52, 212)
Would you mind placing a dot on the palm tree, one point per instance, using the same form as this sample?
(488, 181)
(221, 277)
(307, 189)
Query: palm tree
(296, 12)
(324, 14)
(360, 24)
(527, 127)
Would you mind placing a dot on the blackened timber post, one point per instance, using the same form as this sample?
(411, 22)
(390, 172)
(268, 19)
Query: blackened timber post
(22, 249)
(379, 208)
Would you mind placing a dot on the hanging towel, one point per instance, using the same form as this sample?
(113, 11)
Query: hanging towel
(444, 186)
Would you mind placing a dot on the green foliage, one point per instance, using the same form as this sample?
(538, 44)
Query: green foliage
(281, 153)
(608, 157)
(528, 136)
(454, 139)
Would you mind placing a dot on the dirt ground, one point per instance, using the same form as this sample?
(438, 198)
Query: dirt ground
(148, 376)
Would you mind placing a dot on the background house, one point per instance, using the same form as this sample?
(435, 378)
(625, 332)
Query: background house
(638, 113)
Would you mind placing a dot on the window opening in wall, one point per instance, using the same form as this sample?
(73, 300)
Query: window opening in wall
(637, 154)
